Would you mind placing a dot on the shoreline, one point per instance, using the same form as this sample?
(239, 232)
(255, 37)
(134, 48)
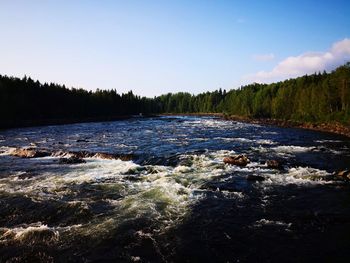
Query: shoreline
(13, 124)
(332, 127)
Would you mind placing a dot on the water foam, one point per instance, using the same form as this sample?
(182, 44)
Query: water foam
(34, 233)
(265, 222)
(299, 176)
(162, 193)
(292, 149)
(5, 150)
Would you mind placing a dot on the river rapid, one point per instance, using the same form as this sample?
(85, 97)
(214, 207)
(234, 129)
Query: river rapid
(175, 200)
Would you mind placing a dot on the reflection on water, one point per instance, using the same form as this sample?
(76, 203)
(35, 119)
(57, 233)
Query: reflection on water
(176, 197)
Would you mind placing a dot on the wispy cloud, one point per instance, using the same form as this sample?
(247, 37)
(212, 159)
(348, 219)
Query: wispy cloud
(306, 63)
(264, 57)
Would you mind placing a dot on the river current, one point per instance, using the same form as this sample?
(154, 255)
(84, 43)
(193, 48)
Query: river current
(175, 200)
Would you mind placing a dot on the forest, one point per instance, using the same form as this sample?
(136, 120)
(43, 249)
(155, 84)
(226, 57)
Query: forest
(25, 101)
(320, 97)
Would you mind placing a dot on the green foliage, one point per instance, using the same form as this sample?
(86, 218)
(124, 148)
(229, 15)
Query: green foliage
(24, 100)
(317, 98)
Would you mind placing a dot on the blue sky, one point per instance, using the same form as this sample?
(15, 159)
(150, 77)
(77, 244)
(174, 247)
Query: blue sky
(155, 47)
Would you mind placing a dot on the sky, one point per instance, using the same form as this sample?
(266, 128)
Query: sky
(156, 47)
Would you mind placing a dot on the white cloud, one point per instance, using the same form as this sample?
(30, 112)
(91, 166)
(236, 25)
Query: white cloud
(306, 63)
(264, 57)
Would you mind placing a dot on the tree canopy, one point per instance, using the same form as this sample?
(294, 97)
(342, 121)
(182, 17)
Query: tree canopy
(319, 97)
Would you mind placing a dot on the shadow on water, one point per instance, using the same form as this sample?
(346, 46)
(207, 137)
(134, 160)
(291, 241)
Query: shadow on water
(298, 227)
(286, 224)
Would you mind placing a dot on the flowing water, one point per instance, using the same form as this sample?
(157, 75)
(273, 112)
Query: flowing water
(176, 200)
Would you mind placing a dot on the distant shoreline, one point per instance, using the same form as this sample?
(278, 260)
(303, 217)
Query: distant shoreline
(333, 127)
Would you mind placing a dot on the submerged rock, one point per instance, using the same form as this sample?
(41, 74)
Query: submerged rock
(274, 164)
(219, 186)
(113, 156)
(316, 177)
(133, 178)
(239, 160)
(29, 153)
(101, 155)
(74, 156)
(71, 160)
(255, 178)
(80, 154)
(82, 140)
(26, 175)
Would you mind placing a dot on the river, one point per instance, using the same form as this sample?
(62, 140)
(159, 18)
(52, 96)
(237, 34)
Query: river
(175, 200)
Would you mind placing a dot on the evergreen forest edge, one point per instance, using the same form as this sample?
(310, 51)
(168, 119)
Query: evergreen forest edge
(316, 98)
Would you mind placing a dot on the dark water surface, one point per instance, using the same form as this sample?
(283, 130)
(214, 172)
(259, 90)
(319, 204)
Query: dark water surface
(176, 201)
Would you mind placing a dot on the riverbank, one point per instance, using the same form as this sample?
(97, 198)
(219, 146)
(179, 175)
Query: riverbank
(332, 127)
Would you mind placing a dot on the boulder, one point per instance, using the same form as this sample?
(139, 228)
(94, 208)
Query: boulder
(255, 178)
(71, 160)
(274, 164)
(344, 174)
(239, 160)
(29, 153)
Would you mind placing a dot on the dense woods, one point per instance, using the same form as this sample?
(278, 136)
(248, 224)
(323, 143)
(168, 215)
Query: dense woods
(320, 97)
(23, 101)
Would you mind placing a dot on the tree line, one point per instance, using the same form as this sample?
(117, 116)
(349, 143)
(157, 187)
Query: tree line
(25, 100)
(318, 97)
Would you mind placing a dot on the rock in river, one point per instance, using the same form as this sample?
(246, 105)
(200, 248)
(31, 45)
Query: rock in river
(71, 160)
(255, 178)
(274, 164)
(29, 153)
(239, 160)
(113, 156)
(100, 155)
(344, 174)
